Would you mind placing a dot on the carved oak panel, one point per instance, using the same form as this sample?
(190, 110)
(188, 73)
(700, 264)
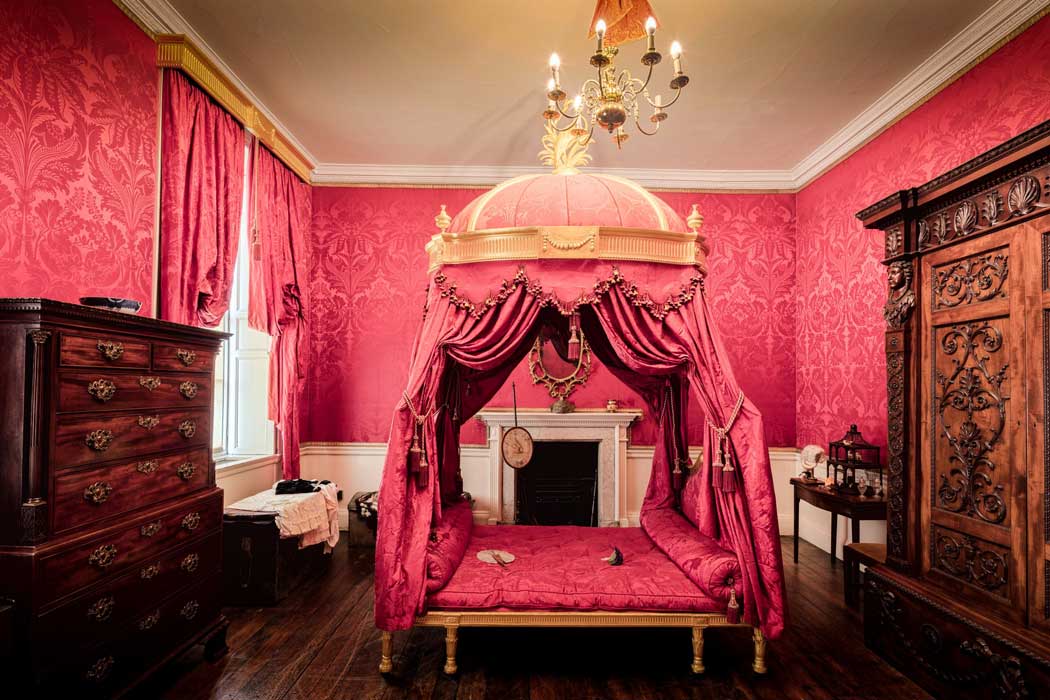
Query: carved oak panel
(971, 560)
(972, 382)
(971, 280)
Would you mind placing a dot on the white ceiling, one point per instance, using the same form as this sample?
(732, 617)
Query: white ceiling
(460, 82)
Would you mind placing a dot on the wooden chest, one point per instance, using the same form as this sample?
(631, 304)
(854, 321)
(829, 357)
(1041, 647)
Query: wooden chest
(110, 521)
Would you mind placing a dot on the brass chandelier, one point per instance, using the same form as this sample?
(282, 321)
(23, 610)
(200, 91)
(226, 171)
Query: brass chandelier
(614, 96)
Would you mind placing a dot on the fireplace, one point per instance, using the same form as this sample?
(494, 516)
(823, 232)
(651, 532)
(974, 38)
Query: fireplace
(603, 431)
(559, 486)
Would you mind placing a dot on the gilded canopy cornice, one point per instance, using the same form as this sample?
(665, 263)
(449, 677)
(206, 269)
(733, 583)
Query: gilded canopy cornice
(568, 243)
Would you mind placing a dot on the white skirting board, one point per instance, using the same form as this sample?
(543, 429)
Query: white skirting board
(358, 466)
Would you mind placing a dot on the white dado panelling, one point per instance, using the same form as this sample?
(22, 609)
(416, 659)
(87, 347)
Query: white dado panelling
(359, 467)
(246, 478)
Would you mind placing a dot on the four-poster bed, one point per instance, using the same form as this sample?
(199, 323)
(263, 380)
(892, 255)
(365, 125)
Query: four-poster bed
(560, 252)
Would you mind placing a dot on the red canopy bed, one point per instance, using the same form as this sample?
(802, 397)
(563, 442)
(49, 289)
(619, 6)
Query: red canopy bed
(559, 252)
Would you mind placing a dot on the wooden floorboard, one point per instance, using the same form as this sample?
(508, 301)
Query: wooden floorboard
(321, 644)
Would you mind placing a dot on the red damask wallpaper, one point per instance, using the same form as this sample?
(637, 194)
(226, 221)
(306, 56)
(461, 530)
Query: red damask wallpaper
(369, 279)
(841, 369)
(78, 138)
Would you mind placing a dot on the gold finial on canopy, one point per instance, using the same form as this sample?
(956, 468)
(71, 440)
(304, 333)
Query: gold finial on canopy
(565, 151)
(443, 220)
(695, 219)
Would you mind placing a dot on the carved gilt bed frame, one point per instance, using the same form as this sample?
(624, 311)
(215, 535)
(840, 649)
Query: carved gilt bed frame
(452, 620)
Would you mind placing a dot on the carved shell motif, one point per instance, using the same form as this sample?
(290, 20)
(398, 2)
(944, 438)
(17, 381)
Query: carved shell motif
(1024, 193)
(965, 218)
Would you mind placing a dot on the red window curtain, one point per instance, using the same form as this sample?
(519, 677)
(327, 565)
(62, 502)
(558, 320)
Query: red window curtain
(202, 192)
(277, 300)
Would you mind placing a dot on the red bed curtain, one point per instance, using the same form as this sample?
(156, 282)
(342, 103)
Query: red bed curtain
(202, 191)
(277, 300)
(466, 349)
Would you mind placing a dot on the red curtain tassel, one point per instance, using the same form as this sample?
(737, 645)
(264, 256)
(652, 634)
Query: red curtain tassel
(728, 479)
(421, 478)
(677, 475)
(733, 611)
(716, 477)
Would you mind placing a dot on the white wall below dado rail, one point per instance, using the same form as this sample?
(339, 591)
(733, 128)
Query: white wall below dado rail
(246, 477)
(358, 466)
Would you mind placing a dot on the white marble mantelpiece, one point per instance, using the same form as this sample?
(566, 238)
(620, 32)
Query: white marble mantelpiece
(610, 429)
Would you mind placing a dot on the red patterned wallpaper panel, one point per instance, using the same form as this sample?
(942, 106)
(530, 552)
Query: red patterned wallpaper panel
(78, 132)
(369, 279)
(841, 374)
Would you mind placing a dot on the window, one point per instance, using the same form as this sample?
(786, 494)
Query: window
(242, 372)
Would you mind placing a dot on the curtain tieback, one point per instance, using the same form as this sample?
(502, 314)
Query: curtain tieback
(722, 476)
(417, 454)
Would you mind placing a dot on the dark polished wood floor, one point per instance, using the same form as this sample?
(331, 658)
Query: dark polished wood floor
(320, 644)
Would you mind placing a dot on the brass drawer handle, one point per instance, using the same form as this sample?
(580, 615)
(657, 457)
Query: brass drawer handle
(102, 390)
(150, 529)
(103, 556)
(188, 428)
(188, 389)
(191, 521)
(186, 357)
(99, 440)
(190, 563)
(149, 383)
(110, 350)
(102, 609)
(149, 621)
(100, 670)
(190, 609)
(149, 422)
(98, 492)
(186, 470)
(149, 572)
(147, 467)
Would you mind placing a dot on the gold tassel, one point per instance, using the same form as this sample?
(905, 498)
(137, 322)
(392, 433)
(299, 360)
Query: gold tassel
(574, 337)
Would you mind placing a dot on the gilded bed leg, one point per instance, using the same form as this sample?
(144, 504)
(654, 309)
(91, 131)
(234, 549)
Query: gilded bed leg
(759, 666)
(451, 638)
(698, 649)
(386, 664)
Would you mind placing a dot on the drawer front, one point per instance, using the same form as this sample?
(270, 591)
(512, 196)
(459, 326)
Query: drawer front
(89, 495)
(97, 438)
(103, 668)
(140, 541)
(183, 358)
(111, 391)
(103, 350)
(100, 614)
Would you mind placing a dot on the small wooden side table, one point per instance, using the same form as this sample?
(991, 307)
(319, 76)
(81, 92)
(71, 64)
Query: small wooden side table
(856, 508)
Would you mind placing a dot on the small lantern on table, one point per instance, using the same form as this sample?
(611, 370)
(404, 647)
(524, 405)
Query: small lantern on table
(850, 454)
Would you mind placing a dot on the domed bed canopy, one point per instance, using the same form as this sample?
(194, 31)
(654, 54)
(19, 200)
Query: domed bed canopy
(569, 251)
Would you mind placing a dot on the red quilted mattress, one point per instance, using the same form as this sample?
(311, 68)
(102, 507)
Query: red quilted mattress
(560, 568)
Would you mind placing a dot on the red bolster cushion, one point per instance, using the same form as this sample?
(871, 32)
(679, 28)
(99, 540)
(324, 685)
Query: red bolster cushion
(713, 569)
(447, 544)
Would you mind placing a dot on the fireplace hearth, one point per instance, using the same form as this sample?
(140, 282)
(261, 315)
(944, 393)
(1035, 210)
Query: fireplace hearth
(559, 486)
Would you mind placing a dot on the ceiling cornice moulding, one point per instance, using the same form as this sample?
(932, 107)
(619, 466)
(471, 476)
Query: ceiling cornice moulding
(336, 174)
(158, 18)
(993, 28)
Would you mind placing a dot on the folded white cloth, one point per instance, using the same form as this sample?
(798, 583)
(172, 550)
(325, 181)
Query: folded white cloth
(312, 517)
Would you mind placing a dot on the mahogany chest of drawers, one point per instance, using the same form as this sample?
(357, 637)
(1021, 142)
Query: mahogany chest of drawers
(110, 521)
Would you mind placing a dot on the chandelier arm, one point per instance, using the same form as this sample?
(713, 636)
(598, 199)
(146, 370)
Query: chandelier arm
(677, 94)
(647, 79)
(563, 113)
(565, 128)
(638, 125)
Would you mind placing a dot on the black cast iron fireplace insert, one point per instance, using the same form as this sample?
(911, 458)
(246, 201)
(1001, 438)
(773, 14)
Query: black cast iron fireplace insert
(559, 486)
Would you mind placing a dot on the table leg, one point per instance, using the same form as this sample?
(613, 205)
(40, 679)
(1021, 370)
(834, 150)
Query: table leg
(796, 525)
(834, 536)
(855, 524)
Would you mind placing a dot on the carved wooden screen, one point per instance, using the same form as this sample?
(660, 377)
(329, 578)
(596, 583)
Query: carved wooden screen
(1037, 248)
(974, 439)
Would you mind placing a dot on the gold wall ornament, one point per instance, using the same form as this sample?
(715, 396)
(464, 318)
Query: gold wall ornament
(560, 388)
(567, 243)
